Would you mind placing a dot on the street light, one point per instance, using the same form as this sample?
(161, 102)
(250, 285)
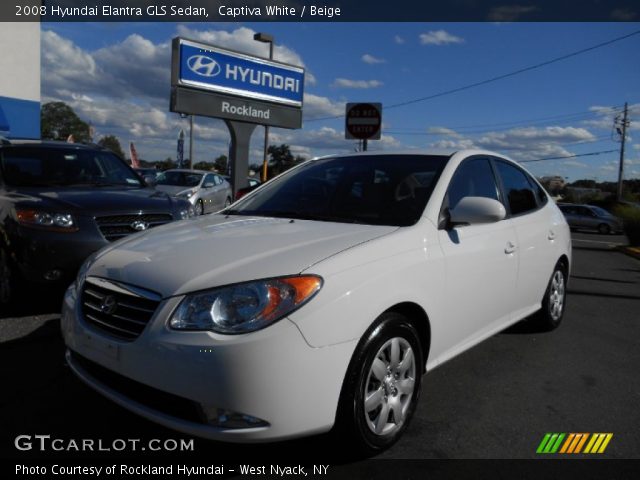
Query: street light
(265, 38)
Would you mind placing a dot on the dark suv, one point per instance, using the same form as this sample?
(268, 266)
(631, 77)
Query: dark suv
(60, 202)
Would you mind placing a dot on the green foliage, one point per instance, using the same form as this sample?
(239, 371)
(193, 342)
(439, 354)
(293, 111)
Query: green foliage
(221, 164)
(281, 159)
(166, 164)
(631, 218)
(58, 121)
(202, 166)
(112, 143)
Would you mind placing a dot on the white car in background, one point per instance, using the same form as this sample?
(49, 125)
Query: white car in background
(206, 191)
(319, 300)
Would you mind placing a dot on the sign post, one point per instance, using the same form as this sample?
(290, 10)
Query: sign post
(241, 89)
(363, 121)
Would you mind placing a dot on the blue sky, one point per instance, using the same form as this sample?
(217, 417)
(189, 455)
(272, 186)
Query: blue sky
(117, 77)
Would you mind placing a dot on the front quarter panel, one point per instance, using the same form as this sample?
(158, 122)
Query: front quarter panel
(363, 282)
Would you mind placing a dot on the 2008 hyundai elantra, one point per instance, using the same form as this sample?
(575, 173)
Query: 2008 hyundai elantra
(320, 299)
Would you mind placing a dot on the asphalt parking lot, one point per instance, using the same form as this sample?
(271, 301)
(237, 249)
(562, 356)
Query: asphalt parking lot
(495, 401)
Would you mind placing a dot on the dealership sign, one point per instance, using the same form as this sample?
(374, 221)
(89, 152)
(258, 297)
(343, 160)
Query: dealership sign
(224, 71)
(214, 82)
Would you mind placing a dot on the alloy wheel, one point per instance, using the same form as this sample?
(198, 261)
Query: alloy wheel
(556, 295)
(389, 387)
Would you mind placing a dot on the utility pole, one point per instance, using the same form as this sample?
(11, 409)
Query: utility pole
(191, 141)
(623, 132)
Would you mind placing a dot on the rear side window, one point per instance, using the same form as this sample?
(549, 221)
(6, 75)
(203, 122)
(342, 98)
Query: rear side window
(518, 190)
(474, 178)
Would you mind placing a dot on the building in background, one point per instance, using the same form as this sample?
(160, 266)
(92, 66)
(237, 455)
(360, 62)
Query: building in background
(20, 80)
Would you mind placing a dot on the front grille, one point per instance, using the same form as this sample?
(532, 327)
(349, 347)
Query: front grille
(121, 311)
(114, 227)
(150, 397)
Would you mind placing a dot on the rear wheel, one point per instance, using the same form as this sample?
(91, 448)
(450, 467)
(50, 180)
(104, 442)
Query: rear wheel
(6, 284)
(604, 229)
(382, 386)
(553, 304)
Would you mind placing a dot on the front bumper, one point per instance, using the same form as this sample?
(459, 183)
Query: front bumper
(271, 374)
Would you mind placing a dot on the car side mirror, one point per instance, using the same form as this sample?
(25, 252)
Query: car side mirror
(149, 180)
(473, 210)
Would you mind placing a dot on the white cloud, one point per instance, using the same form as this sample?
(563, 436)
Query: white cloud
(316, 106)
(524, 143)
(362, 84)
(371, 60)
(443, 131)
(398, 39)
(439, 37)
(509, 13)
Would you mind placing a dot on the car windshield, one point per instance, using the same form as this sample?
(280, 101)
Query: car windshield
(179, 179)
(44, 167)
(370, 189)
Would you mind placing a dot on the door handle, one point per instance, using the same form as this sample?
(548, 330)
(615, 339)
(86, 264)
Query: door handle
(510, 248)
(552, 235)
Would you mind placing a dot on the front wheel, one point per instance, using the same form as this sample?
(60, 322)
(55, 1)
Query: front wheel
(199, 207)
(604, 229)
(382, 387)
(553, 304)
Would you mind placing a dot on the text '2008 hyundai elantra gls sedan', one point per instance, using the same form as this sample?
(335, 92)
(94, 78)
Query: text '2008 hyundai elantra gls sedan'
(320, 299)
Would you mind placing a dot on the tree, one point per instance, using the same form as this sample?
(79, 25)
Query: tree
(112, 143)
(58, 121)
(166, 164)
(281, 159)
(202, 166)
(221, 164)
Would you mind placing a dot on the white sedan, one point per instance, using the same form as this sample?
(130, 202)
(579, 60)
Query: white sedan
(319, 300)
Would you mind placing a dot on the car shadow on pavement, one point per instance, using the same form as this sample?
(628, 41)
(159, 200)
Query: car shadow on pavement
(34, 300)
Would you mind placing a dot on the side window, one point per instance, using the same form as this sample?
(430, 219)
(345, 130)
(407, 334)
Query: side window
(217, 179)
(518, 190)
(210, 179)
(474, 178)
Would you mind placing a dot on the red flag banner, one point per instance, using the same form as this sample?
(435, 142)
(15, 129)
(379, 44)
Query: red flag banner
(135, 163)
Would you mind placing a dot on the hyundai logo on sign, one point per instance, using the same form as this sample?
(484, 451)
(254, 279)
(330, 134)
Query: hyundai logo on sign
(202, 65)
(212, 68)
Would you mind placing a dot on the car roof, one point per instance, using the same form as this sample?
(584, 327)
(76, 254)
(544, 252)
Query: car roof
(188, 170)
(50, 144)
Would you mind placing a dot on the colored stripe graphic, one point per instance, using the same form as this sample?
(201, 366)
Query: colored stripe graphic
(574, 443)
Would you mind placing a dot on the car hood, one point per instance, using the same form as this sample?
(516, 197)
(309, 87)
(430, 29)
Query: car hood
(217, 250)
(92, 201)
(173, 189)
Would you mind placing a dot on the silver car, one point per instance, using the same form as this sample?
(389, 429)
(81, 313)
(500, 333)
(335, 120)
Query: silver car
(590, 217)
(207, 191)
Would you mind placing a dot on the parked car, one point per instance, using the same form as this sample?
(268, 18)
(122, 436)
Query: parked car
(590, 217)
(319, 300)
(61, 202)
(206, 191)
(252, 184)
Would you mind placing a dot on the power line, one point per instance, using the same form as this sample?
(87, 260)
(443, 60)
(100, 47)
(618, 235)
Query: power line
(590, 154)
(499, 77)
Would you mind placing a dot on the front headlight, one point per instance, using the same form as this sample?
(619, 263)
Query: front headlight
(187, 213)
(244, 307)
(187, 194)
(59, 222)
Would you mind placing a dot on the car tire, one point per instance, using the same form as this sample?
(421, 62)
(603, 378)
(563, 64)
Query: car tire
(554, 302)
(378, 388)
(6, 278)
(227, 202)
(604, 229)
(199, 207)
